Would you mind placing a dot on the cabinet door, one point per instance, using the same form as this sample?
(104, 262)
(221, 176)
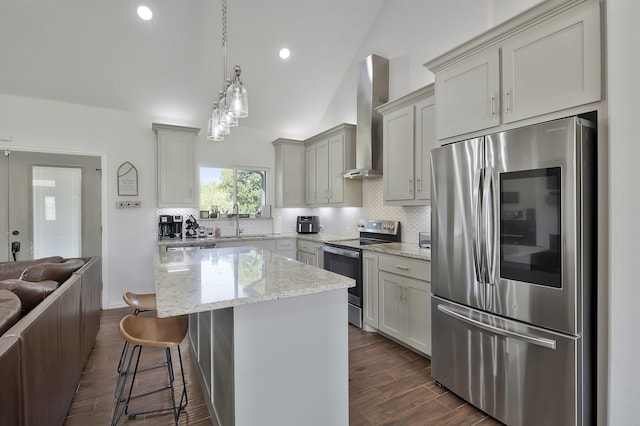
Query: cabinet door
(322, 171)
(554, 65)
(390, 312)
(306, 258)
(467, 95)
(311, 182)
(398, 159)
(176, 169)
(370, 288)
(425, 112)
(336, 169)
(417, 306)
(292, 177)
(319, 255)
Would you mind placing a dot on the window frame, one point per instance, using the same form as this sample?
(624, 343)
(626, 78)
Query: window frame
(266, 186)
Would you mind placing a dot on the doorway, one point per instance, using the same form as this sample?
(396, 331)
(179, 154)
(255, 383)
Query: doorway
(50, 204)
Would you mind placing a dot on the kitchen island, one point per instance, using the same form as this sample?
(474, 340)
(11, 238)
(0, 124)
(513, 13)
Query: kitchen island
(269, 334)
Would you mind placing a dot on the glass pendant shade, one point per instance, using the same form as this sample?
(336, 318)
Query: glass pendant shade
(223, 118)
(214, 132)
(237, 100)
(233, 121)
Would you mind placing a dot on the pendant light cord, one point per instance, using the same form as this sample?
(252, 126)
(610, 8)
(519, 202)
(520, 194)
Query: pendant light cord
(224, 40)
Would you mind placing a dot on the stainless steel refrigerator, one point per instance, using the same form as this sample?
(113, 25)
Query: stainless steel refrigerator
(513, 272)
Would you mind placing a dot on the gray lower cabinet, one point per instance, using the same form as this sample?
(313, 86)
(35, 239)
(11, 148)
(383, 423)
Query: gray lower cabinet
(311, 253)
(403, 299)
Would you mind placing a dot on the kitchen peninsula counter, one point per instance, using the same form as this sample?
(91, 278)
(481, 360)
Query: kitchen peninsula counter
(320, 237)
(203, 280)
(269, 334)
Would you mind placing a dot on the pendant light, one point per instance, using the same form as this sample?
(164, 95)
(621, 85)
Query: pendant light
(237, 102)
(232, 100)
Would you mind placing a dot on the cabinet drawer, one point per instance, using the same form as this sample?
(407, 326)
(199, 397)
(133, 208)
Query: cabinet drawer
(285, 244)
(413, 268)
(307, 246)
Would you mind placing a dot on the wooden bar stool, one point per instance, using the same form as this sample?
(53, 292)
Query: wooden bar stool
(140, 332)
(140, 303)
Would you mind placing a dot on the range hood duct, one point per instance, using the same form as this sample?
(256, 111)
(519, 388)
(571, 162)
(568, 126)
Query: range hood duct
(373, 91)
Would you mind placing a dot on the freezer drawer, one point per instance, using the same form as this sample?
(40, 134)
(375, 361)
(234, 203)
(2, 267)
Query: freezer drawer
(519, 374)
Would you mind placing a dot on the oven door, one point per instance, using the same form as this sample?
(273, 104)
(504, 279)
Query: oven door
(346, 261)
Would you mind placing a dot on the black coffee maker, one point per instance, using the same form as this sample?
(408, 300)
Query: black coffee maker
(170, 227)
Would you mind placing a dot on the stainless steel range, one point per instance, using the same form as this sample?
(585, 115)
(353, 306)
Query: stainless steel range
(344, 258)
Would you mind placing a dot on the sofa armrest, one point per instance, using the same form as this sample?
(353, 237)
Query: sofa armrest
(30, 293)
(15, 269)
(59, 272)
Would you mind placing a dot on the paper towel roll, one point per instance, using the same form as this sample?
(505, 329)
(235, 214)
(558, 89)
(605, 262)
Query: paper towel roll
(277, 225)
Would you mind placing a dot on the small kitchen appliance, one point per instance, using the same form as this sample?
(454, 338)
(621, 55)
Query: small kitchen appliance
(345, 258)
(191, 227)
(308, 224)
(169, 227)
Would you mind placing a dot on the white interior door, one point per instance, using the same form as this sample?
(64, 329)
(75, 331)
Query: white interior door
(53, 205)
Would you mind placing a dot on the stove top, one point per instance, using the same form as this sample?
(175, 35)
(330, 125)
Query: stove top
(373, 232)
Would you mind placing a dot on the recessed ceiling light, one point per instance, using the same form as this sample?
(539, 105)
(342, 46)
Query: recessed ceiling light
(284, 53)
(144, 13)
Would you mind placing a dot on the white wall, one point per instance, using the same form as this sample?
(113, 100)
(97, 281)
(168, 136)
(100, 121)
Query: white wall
(624, 205)
(412, 32)
(129, 235)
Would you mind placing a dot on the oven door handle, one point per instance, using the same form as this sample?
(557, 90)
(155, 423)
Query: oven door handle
(341, 252)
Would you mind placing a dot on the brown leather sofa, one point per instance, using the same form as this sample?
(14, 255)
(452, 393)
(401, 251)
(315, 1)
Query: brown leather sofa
(43, 354)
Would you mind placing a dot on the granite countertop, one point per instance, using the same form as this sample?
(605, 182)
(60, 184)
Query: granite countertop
(401, 249)
(319, 238)
(203, 280)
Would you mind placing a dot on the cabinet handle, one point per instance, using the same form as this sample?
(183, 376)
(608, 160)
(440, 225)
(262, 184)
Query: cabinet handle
(418, 185)
(508, 106)
(401, 267)
(493, 105)
(410, 186)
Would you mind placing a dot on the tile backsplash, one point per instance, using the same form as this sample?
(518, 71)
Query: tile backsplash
(334, 220)
(343, 220)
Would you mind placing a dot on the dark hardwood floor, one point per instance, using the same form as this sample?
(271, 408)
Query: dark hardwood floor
(388, 385)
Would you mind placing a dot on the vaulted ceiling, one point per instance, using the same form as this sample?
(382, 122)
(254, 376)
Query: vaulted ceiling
(99, 53)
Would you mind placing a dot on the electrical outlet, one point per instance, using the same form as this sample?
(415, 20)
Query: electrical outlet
(128, 204)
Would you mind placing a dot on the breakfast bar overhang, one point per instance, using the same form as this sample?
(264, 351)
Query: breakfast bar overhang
(269, 334)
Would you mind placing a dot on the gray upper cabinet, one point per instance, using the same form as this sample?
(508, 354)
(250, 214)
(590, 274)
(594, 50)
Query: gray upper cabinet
(409, 134)
(289, 173)
(541, 62)
(334, 152)
(176, 165)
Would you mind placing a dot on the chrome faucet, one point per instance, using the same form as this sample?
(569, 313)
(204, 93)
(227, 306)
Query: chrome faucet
(236, 214)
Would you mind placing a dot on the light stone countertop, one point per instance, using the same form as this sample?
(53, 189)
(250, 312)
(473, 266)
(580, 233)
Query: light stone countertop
(207, 279)
(320, 237)
(401, 249)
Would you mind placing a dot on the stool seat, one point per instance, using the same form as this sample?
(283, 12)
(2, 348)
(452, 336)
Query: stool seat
(154, 332)
(141, 302)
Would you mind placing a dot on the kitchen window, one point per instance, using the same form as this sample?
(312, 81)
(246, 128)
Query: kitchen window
(221, 188)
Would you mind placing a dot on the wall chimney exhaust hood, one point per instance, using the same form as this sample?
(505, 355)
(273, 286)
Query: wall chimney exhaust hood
(373, 91)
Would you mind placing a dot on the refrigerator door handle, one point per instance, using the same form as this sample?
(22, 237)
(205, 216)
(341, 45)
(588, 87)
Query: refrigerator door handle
(546, 343)
(490, 226)
(476, 214)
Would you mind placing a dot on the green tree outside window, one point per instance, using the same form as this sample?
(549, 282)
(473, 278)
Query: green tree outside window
(220, 187)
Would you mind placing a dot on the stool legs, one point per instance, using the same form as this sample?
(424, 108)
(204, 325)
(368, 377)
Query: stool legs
(122, 401)
(123, 355)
